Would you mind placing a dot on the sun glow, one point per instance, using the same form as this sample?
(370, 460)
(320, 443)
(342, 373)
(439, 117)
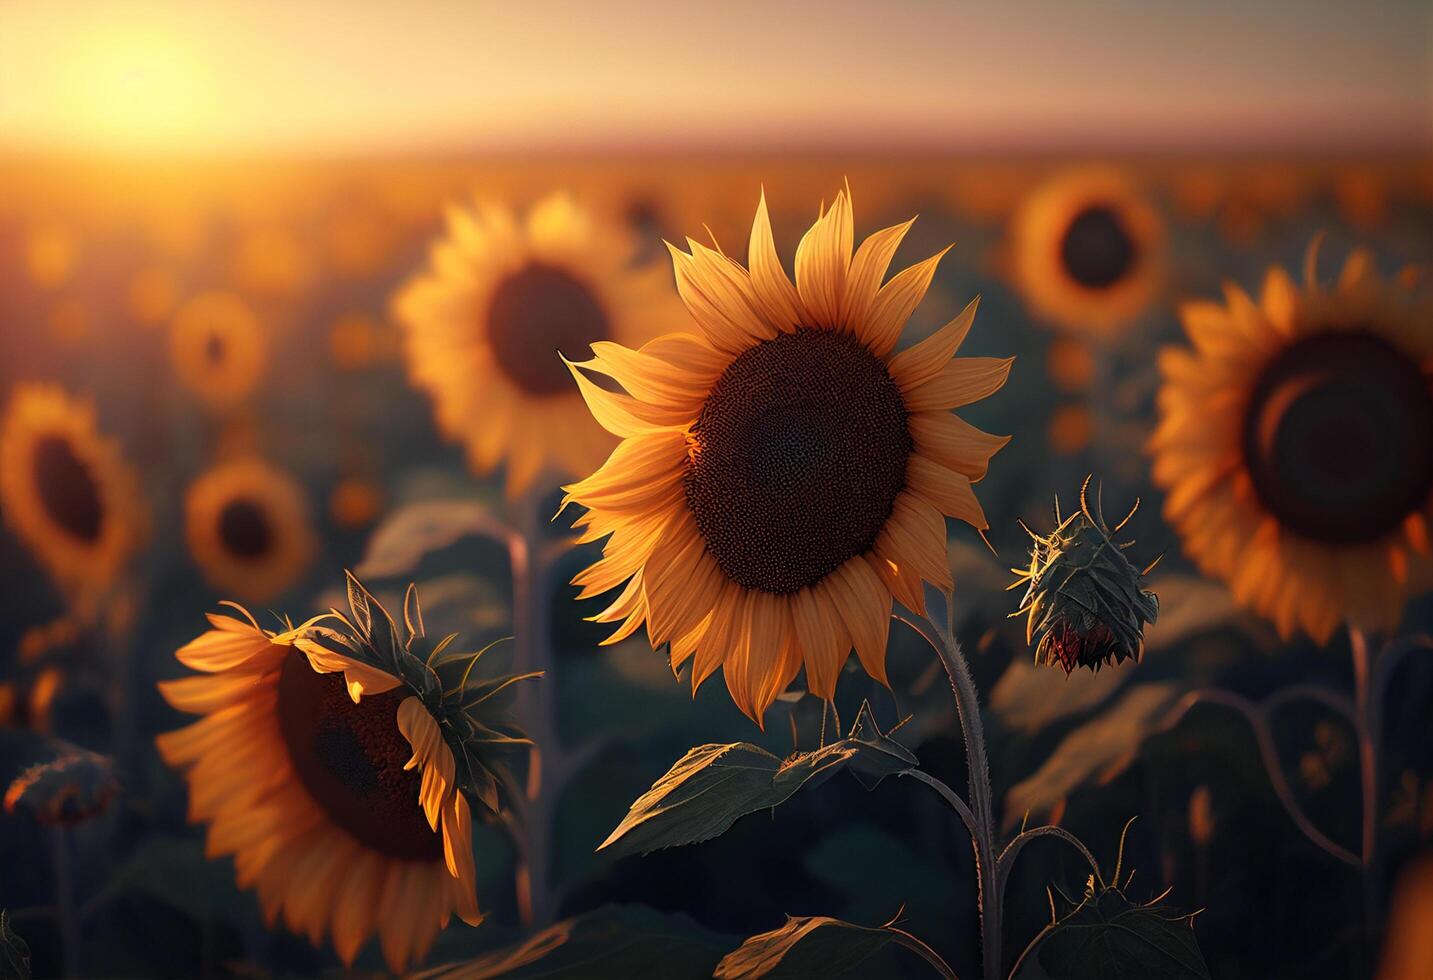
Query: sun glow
(131, 87)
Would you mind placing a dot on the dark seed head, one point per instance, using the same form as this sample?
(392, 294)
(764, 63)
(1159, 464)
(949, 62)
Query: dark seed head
(350, 758)
(215, 348)
(245, 530)
(536, 312)
(1338, 437)
(801, 450)
(67, 488)
(1097, 250)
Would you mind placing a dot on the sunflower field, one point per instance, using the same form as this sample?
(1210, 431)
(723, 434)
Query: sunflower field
(472, 564)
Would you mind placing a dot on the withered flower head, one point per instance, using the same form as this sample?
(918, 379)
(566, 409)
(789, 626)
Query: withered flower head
(1085, 603)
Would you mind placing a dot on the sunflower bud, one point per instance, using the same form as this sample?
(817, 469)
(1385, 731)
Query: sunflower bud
(1084, 605)
(72, 788)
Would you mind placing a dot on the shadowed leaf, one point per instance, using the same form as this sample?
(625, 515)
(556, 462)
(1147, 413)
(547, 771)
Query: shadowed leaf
(714, 785)
(1029, 697)
(809, 946)
(14, 953)
(615, 941)
(1100, 748)
(1108, 937)
(411, 533)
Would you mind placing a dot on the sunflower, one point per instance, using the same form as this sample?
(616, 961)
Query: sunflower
(1296, 445)
(218, 348)
(338, 764)
(485, 325)
(784, 473)
(247, 524)
(65, 490)
(1087, 251)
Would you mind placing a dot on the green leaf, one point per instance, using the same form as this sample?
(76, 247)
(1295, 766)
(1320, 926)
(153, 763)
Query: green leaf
(14, 953)
(700, 797)
(175, 871)
(809, 946)
(615, 941)
(1030, 696)
(878, 755)
(412, 532)
(714, 785)
(1108, 937)
(1099, 749)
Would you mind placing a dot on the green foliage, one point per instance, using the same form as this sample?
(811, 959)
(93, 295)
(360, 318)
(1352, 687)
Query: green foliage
(1108, 937)
(713, 785)
(175, 871)
(1100, 749)
(412, 532)
(445, 682)
(615, 941)
(14, 953)
(809, 946)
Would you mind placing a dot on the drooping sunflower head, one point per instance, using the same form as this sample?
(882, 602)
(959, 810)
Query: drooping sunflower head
(1085, 604)
(65, 490)
(783, 473)
(486, 326)
(248, 528)
(337, 761)
(219, 349)
(1087, 251)
(1296, 446)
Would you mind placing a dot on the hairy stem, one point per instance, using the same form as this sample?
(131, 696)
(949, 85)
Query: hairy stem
(967, 704)
(1013, 849)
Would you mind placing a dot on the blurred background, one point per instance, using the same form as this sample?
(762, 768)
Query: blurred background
(207, 209)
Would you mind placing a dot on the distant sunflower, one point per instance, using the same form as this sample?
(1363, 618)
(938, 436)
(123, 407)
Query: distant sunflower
(484, 328)
(336, 763)
(218, 348)
(1296, 445)
(784, 473)
(1087, 251)
(65, 490)
(247, 524)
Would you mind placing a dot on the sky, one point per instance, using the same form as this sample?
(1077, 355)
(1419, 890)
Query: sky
(319, 76)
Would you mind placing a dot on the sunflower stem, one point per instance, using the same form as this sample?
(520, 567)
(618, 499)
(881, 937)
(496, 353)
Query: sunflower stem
(66, 923)
(1366, 727)
(532, 654)
(967, 703)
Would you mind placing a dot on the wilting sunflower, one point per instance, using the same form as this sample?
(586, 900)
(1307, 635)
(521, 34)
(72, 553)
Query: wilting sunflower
(218, 348)
(784, 473)
(65, 490)
(1296, 445)
(247, 524)
(484, 328)
(1087, 251)
(337, 764)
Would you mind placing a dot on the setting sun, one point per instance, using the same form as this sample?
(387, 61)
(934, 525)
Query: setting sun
(135, 86)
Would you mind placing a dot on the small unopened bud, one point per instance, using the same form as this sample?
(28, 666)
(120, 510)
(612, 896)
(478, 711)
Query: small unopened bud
(1085, 605)
(74, 787)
